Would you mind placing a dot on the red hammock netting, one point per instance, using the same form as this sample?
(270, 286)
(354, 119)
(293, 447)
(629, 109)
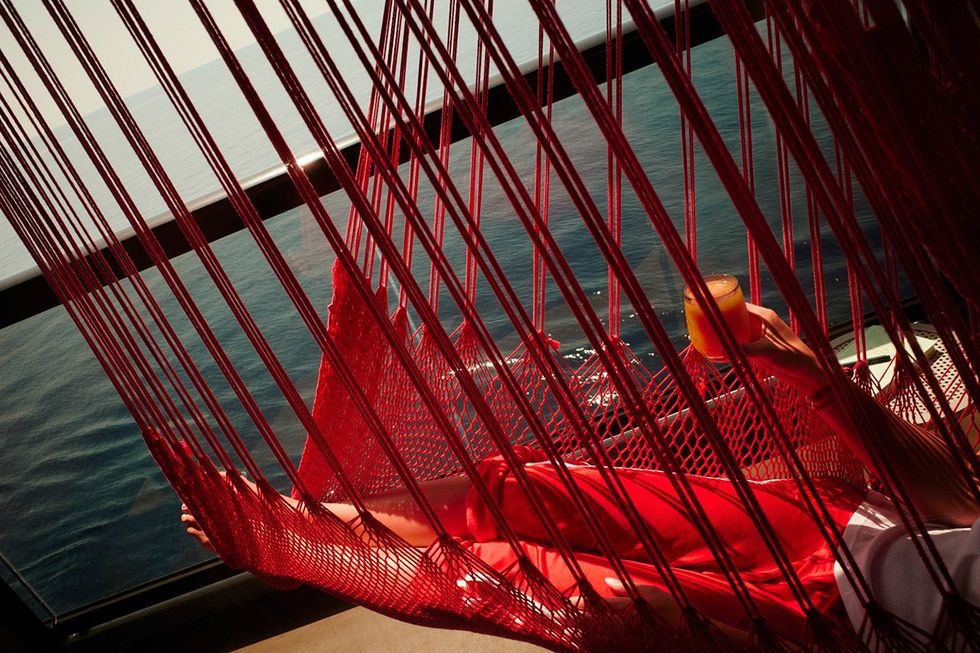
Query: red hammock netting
(397, 404)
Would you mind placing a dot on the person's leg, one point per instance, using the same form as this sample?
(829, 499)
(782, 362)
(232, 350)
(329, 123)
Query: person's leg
(396, 509)
(674, 529)
(651, 492)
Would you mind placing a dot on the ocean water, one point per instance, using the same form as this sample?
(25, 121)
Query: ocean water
(85, 511)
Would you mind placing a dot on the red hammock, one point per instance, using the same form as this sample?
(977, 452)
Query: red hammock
(397, 406)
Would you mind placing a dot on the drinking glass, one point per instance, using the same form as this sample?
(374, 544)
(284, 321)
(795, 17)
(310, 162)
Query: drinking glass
(728, 296)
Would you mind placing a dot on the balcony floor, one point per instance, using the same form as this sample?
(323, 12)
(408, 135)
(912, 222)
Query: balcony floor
(358, 630)
(243, 614)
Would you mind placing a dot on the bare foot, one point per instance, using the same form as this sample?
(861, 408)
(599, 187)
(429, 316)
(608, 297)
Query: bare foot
(193, 528)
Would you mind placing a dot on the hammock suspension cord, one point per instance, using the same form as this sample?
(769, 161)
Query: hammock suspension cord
(397, 407)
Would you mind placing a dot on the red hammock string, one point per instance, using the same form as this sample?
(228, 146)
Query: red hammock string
(782, 170)
(748, 171)
(766, 90)
(717, 152)
(475, 200)
(56, 202)
(542, 180)
(457, 202)
(614, 177)
(914, 257)
(451, 354)
(682, 45)
(812, 215)
(389, 220)
(395, 409)
(812, 146)
(735, 473)
(490, 134)
(944, 326)
(92, 148)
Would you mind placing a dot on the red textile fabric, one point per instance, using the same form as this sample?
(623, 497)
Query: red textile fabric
(676, 534)
(358, 338)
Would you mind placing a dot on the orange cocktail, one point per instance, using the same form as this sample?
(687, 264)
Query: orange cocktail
(727, 294)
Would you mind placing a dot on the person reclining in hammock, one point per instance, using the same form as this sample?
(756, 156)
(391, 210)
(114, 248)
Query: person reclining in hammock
(883, 550)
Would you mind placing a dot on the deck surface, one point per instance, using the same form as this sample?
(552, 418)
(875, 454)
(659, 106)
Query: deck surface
(359, 630)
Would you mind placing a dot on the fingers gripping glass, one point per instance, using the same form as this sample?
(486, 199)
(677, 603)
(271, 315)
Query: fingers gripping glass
(728, 296)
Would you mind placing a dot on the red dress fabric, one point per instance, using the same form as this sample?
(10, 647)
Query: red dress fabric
(675, 533)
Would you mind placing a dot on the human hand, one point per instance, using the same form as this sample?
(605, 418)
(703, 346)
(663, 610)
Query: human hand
(658, 599)
(662, 602)
(778, 350)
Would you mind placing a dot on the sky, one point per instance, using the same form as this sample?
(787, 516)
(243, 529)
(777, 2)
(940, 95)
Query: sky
(172, 22)
(179, 33)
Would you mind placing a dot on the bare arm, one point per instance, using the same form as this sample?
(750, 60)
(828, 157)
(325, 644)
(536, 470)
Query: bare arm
(921, 461)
